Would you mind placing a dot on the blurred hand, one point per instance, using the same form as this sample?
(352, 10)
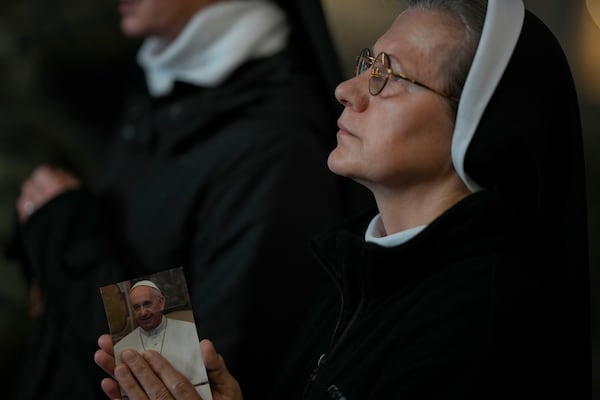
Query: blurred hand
(149, 376)
(44, 184)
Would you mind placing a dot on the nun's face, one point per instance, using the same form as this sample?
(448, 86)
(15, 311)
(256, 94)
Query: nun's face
(160, 18)
(401, 138)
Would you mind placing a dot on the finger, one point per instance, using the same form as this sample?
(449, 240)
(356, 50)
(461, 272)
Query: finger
(62, 178)
(69, 180)
(52, 182)
(39, 182)
(143, 373)
(26, 202)
(25, 207)
(221, 381)
(105, 361)
(104, 357)
(212, 360)
(174, 381)
(32, 196)
(111, 388)
(105, 343)
(40, 170)
(23, 210)
(27, 189)
(128, 383)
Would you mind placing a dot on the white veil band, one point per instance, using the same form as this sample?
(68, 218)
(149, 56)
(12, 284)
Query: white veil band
(501, 31)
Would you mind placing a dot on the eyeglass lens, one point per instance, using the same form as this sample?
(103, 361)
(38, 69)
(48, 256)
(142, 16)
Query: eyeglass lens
(363, 62)
(379, 70)
(379, 74)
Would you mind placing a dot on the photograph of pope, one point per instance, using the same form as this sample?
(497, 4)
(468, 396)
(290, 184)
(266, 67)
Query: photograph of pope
(173, 337)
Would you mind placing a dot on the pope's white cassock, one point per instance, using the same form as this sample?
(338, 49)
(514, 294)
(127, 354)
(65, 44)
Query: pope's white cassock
(178, 342)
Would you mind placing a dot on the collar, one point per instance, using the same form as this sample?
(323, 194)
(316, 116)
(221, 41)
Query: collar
(216, 41)
(194, 113)
(473, 226)
(376, 234)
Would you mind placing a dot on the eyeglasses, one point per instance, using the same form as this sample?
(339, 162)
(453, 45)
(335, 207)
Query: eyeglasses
(381, 72)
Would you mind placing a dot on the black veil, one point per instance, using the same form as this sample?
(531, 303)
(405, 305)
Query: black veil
(518, 133)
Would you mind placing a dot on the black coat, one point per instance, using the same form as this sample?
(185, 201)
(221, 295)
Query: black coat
(228, 183)
(452, 314)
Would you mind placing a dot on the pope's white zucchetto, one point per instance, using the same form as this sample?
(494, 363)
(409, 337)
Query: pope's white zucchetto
(145, 283)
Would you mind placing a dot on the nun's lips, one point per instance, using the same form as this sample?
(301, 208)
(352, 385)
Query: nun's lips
(343, 130)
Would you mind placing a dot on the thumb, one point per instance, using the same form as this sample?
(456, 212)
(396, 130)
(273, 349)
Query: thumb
(221, 381)
(213, 361)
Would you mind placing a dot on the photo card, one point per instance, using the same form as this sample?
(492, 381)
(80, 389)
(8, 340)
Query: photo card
(155, 312)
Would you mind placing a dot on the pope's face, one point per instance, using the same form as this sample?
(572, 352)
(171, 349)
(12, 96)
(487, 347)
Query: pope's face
(160, 18)
(401, 138)
(148, 306)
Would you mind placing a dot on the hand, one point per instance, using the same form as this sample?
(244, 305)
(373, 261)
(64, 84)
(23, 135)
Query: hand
(149, 376)
(44, 184)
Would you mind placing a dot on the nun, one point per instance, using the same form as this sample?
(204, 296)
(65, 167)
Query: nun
(218, 167)
(469, 280)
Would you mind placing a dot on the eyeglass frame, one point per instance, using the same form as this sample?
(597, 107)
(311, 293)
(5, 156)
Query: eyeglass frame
(366, 54)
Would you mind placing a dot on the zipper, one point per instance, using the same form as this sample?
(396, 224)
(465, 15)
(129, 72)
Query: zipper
(335, 393)
(313, 376)
(324, 357)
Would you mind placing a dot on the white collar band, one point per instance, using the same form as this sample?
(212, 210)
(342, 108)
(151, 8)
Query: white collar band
(217, 40)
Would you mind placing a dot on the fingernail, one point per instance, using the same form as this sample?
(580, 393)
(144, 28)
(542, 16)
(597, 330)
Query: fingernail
(129, 356)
